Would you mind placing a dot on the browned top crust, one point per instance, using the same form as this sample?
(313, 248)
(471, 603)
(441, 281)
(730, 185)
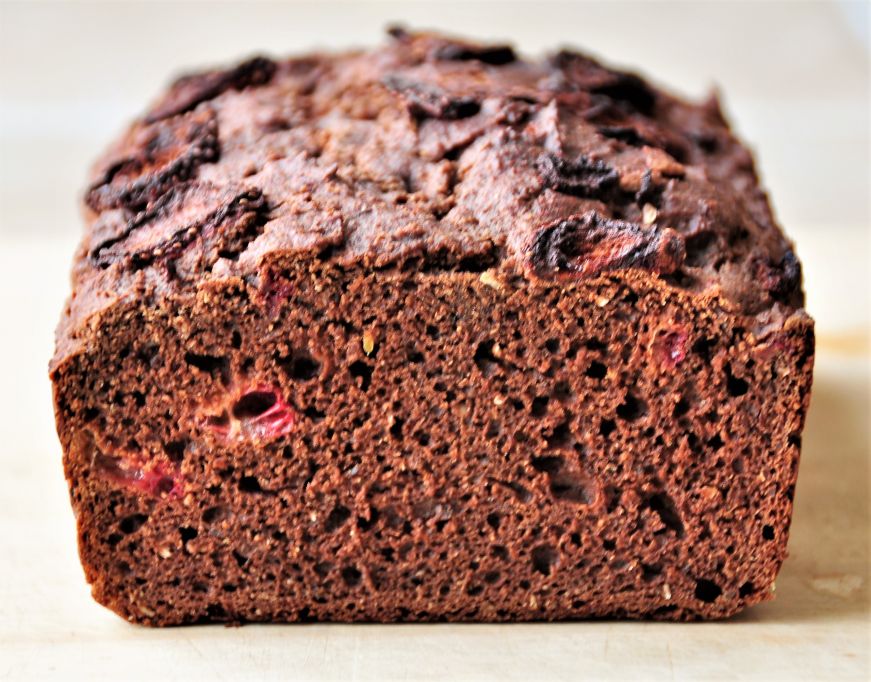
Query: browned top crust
(428, 153)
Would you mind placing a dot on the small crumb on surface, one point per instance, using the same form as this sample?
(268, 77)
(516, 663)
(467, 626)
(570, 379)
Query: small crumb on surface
(489, 278)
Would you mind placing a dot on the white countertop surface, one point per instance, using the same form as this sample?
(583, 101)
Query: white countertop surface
(795, 80)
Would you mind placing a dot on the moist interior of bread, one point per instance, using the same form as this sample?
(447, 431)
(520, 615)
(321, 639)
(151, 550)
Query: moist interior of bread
(446, 445)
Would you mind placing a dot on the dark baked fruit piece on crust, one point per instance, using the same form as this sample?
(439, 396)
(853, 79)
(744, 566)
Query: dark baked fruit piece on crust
(430, 333)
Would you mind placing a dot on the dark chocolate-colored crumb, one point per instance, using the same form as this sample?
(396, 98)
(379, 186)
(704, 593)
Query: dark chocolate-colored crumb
(430, 332)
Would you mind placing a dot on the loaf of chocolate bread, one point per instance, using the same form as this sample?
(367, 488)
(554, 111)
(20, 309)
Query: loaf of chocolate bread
(430, 332)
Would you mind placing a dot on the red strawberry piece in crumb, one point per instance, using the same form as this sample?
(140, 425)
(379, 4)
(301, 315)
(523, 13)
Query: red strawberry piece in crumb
(158, 480)
(769, 349)
(670, 346)
(263, 414)
(274, 289)
(153, 478)
(257, 414)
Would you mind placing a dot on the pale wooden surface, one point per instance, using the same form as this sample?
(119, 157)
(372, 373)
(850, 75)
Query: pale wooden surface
(70, 74)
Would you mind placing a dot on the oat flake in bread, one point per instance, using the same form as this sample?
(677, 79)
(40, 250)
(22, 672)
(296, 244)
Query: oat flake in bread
(430, 332)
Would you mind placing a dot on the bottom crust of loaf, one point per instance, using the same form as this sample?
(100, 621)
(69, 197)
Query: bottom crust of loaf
(432, 446)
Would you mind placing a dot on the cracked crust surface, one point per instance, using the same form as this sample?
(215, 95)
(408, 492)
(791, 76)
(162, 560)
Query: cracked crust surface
(430, 149)
(430, 332)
